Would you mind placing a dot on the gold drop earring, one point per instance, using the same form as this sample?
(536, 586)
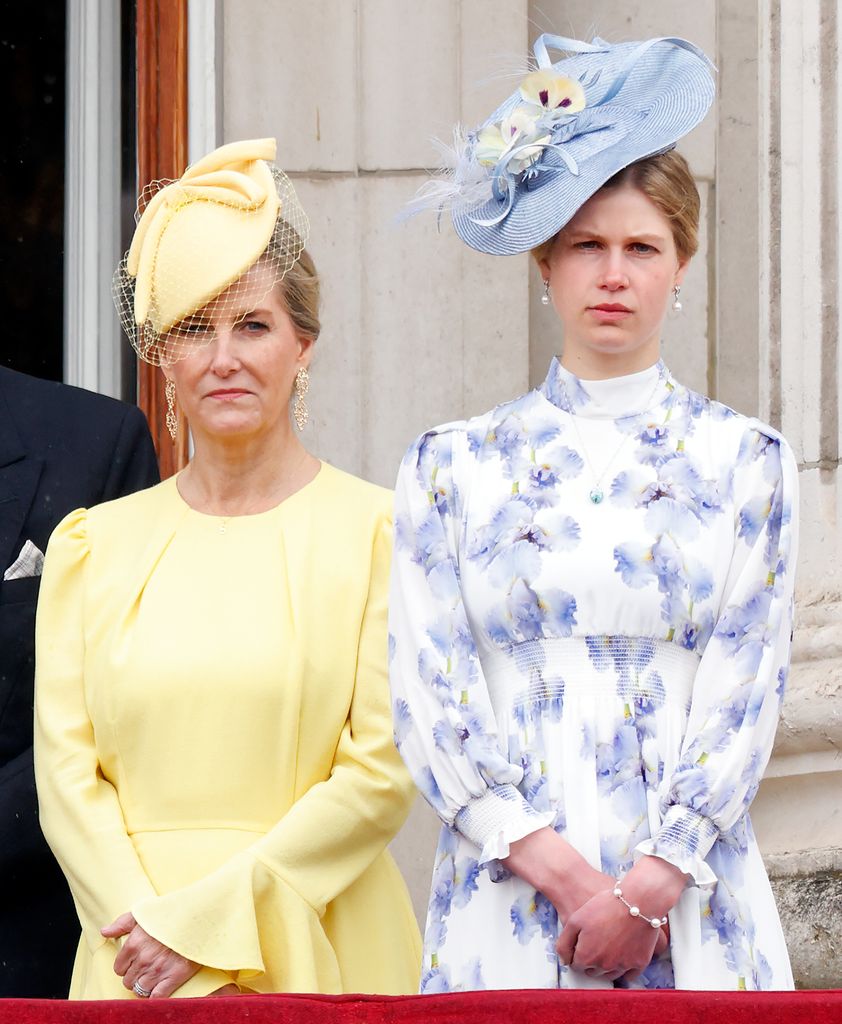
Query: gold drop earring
(300, 412)
(172, 417)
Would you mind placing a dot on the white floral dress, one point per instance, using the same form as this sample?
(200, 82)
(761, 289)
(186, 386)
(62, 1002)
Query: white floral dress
(613, 668)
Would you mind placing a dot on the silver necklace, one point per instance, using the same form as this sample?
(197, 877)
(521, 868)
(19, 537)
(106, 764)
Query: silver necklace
(596, 493)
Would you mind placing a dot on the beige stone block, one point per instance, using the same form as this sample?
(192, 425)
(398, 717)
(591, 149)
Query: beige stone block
(495, 41)
(411, 324)
(414, 849)
(495, 292)
(641, 19)
(289, 70)
(409, 81)
(337, 386)
(798, 813)
(820, 555)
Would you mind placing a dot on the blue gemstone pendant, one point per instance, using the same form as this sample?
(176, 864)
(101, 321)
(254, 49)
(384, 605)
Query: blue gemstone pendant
(596, 496)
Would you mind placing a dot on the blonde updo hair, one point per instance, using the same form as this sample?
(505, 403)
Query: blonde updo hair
(301, 290)
(666, 179)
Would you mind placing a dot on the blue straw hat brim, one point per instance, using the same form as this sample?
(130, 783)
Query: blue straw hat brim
(667, 92)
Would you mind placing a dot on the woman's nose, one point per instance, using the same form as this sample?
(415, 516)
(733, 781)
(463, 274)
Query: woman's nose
(224, 358)
(614, 274)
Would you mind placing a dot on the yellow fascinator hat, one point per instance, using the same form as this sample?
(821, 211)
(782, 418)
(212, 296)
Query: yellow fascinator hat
(198, 235)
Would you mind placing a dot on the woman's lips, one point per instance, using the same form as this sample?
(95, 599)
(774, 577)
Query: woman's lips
(609, 312)
(228, 394)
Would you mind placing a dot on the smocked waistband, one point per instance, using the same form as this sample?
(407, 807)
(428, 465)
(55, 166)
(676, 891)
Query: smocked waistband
(626, 667)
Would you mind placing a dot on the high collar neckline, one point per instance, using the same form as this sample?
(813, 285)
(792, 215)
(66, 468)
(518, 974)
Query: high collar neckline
(613, 398)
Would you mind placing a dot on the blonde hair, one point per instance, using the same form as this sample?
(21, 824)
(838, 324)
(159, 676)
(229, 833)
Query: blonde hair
(666, 179)
(300, 289)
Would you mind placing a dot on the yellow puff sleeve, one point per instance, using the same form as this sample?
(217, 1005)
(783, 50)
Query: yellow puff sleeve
(80, 810)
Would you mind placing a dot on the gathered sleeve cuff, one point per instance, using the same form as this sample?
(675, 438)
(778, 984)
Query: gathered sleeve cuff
(740, 681)
(684, 839)
(445, 727)
(497, 819)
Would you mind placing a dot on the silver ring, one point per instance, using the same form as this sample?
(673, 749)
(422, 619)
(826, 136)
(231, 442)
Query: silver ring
(140, 991)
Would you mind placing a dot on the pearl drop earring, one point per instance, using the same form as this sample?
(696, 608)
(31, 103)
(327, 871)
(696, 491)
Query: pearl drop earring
(545, 298)
(676, 305)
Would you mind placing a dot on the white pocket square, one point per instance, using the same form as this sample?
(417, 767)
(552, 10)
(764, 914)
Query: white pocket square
(30, 562)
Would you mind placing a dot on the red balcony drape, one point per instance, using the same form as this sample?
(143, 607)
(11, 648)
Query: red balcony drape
(524, 1007)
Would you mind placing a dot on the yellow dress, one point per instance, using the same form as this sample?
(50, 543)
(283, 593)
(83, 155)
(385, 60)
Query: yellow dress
(213, 745)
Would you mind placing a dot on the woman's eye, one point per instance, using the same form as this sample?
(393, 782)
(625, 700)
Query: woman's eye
(193, 327)
(643, 248)
(253, 326)
(588, 246)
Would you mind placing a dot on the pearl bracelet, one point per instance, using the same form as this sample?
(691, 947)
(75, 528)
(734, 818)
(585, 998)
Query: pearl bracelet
(656, 922)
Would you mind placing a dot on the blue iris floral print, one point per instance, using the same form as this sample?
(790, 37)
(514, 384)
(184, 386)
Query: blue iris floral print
(613, 672)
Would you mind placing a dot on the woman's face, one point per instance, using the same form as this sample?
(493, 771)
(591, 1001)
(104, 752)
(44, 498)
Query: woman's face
(611, 272)
(238, 379)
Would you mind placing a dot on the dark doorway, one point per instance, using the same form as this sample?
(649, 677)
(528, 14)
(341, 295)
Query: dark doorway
(32, 168)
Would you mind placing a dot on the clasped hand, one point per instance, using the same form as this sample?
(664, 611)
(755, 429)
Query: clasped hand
(604, 941)
(148, 963)
(599, 937)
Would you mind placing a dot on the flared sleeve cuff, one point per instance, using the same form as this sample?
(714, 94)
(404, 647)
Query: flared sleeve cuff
(204, 983)
(498, 818)
(684, 839)
(222, 921)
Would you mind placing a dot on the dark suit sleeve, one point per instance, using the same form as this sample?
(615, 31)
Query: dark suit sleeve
(127, 464)
(20, 833)
(133, 465)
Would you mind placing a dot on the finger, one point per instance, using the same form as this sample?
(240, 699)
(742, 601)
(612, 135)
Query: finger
(632, 975)
(121, 925)
(142, 972)
(566, 945)
(143, 987)
(175, 977)
(613, 975)
(125, 956)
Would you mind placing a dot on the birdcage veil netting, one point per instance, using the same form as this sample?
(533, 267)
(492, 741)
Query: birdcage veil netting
(157, 340)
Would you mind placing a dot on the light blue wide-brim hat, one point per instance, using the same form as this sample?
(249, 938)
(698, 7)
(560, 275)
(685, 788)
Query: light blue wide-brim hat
(640, 98)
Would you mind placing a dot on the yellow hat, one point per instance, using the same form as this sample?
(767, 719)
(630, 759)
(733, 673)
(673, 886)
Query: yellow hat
(196, 236)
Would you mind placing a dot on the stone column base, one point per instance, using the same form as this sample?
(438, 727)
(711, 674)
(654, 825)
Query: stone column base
(808, 888)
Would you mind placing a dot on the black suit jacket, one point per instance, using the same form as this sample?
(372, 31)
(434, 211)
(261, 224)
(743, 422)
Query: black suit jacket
(61, 448)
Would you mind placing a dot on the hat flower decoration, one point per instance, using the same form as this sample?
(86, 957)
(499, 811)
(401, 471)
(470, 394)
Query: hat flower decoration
(518, 140)
(515, 181)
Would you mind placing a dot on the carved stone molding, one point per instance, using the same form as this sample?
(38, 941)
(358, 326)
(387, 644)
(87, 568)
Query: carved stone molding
(812, 713)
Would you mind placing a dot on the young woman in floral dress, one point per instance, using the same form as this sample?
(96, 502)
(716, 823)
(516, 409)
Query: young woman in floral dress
(592, 584)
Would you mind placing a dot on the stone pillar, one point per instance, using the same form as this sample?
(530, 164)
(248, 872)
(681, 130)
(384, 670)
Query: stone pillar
(798, 811)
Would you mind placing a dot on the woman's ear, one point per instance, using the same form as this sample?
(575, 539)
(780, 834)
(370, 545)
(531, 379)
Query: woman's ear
(682, 270)
(306, 344)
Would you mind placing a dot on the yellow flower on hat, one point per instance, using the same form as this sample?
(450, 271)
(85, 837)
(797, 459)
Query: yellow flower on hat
(201, 233)
(553, 92)
(518, 134)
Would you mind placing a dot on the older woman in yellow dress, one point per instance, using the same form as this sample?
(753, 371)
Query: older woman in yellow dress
(214, 749)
